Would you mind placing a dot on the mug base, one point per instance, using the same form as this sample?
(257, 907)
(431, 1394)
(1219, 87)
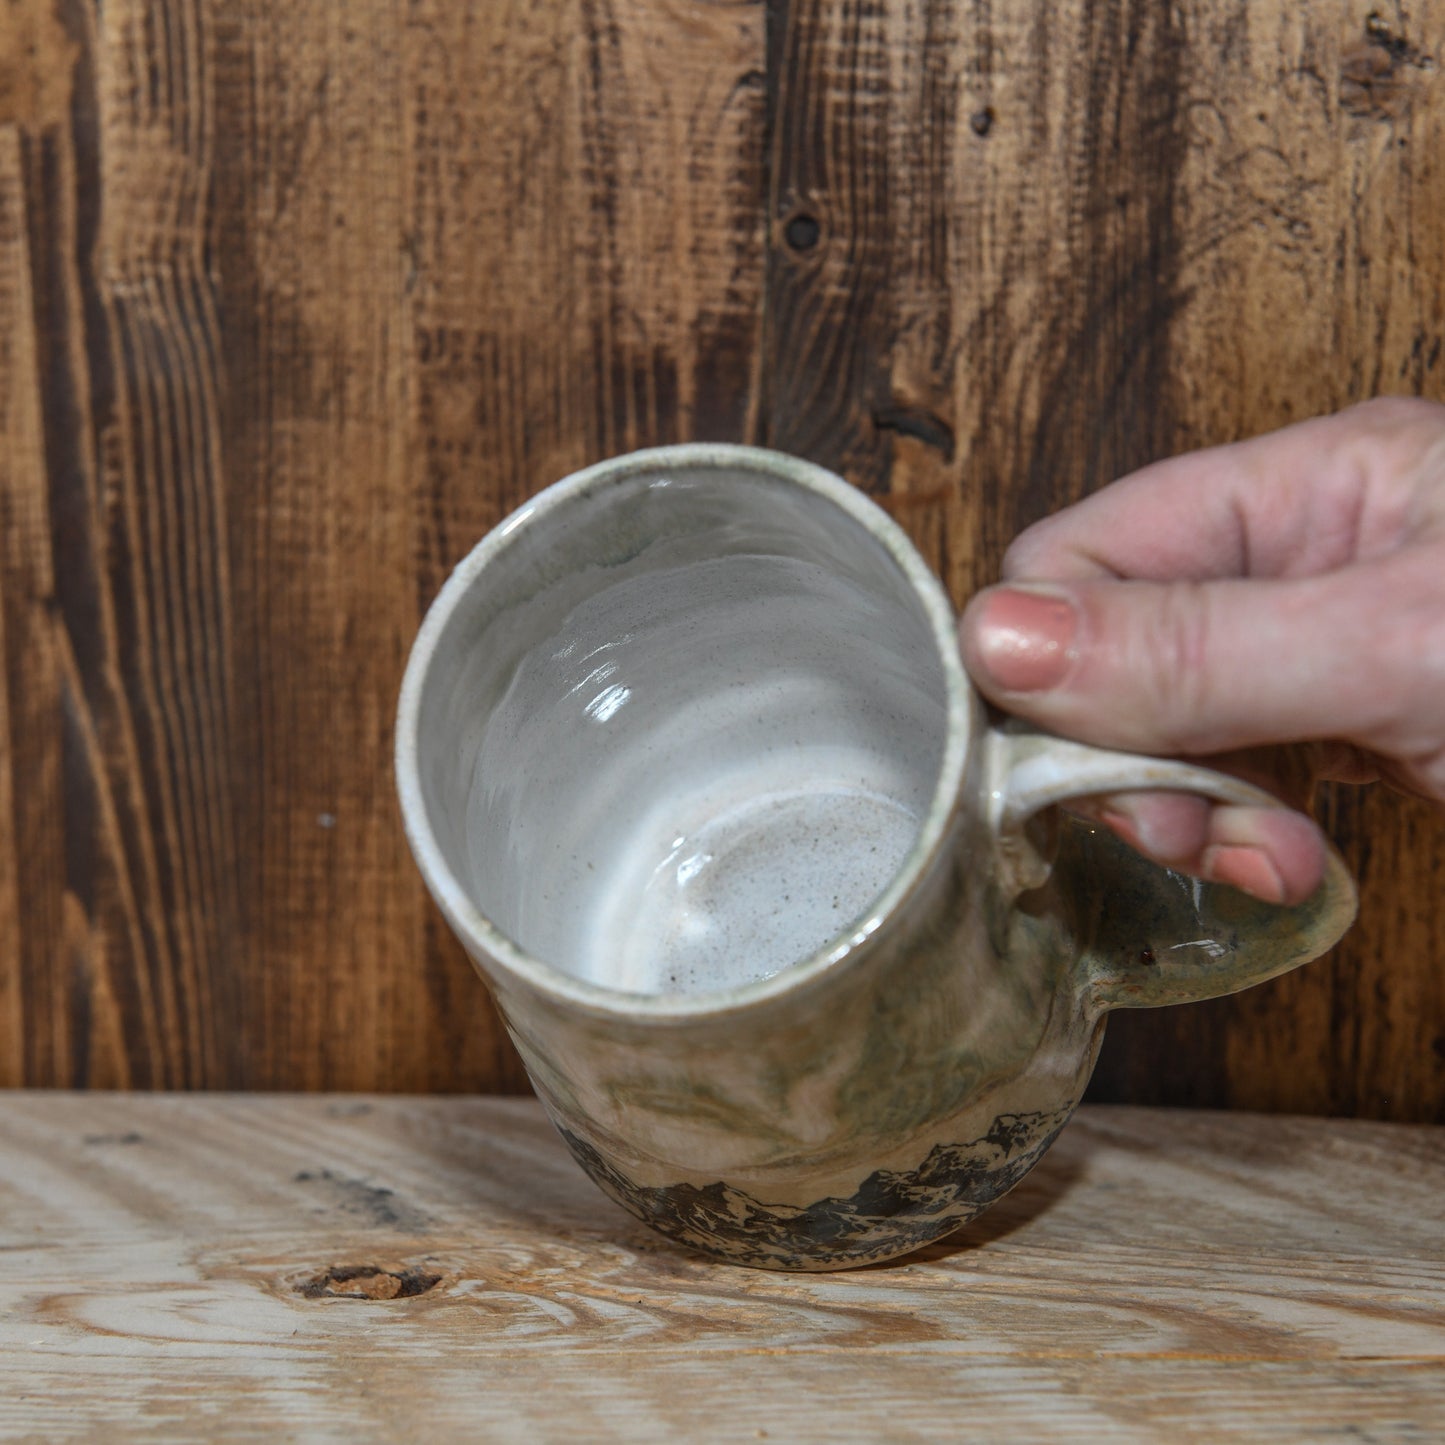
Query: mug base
(892, 1213)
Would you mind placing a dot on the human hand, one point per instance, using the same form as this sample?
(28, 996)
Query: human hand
(1287, 589)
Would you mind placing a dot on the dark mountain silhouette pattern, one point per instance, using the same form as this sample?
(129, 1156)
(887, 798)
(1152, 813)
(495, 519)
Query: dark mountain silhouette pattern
(892, 1212)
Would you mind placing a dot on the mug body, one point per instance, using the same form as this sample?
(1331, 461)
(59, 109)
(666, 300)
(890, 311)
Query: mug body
(688, 758)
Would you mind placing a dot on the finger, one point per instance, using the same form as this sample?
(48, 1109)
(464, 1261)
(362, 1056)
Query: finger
(1339, 762)
(1304, 500)
(1192, 668)
(1271, 853)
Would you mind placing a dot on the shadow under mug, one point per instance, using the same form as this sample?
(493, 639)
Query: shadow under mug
(800, 960)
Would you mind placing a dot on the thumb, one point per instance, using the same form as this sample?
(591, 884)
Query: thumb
(1189, 667)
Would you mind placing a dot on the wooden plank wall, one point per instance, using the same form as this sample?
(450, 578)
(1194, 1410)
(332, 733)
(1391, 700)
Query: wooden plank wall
(298, 298)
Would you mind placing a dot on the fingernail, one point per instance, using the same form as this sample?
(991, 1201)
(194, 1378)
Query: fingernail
(1249, 869)
(1022, 638)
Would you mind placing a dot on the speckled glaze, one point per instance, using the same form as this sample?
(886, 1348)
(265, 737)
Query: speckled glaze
(799, 957)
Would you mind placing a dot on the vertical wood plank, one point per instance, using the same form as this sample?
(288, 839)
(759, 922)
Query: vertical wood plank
(102, 995)
(309, 266)
(157, 378)
(583, 254)
(476, 249)
(1311, 198)
(1021, 250)
(975, 333)
(31, 869)
(830, 308)
(585, 246)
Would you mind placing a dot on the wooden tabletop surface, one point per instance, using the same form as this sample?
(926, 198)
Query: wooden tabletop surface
(343, 1267)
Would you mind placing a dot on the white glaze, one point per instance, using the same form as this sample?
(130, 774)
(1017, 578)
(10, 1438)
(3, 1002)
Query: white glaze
(705, 768)
(759, 883)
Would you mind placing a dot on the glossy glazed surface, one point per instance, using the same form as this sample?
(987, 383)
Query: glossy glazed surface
(708, 768)
(685, 730)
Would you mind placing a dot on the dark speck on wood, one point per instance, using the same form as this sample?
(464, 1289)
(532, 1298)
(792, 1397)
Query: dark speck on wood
(376, 1204)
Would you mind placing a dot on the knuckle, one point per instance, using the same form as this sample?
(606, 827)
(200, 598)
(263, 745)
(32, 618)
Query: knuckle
(1399, 437)
(1180, 666)
(1393, 643)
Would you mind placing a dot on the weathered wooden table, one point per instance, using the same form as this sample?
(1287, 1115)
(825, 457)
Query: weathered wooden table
(327, 1267)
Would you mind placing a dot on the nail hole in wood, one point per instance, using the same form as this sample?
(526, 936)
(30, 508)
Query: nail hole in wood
(981, 121)
(803, 232)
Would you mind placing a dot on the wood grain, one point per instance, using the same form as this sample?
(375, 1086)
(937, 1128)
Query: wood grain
(373, 1268)
(296, 300)
(1299, 294)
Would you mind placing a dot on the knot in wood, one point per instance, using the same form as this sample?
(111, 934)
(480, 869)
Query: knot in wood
(368, 1282)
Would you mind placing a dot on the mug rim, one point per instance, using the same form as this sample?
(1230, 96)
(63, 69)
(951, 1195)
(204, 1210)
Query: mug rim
(480, 935)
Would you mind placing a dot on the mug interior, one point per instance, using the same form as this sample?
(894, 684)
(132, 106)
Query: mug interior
(681, 724)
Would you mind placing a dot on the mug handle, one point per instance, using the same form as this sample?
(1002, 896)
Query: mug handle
(1159, 937)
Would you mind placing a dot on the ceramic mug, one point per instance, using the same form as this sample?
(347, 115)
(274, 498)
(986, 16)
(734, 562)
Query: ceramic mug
(800, 960)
